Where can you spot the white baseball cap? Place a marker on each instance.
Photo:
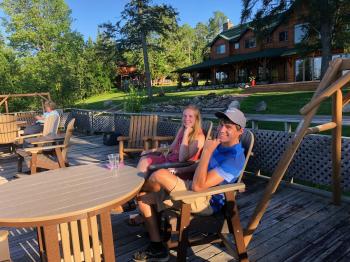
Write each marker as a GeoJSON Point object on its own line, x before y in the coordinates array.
{"type": "Point", "coordinates": [233, 114]}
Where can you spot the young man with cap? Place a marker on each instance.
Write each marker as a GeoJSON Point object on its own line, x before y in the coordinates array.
{"type": "Point", "coordinates": [221, 163]}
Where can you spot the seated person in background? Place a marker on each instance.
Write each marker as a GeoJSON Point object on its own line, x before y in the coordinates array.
{"type": "Point", "coordinates": [187, 145]}
{"type": "Point", "coordinates": [50, 109]}
{"type": "Point", "coordinates": [221, 163]}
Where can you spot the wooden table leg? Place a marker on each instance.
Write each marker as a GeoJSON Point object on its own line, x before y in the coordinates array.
{"type": "Point", "coordinates": [41, 243]}
{"type": "Point", "coordinates": [107, 237]}
{"type": "Point", "coordinates": [51, 243]}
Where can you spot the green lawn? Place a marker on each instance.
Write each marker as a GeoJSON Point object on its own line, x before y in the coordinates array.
{"type": "Point", "coordinates": [96, 102]}
{"type": "Point", "coordinates": [277, 103]}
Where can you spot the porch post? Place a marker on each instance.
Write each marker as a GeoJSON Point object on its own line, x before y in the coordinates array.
{"type": "Point", "coordinates": [179, 83]}
{"type": "Point", "coordinates": [213, 75]}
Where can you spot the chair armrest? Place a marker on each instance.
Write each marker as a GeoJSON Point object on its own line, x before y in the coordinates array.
{"type": "Point", "coordinates": [155, 167]}
{"type": "Point", "coordinates": [45, 139]}
{"type": "Point", "coordinates": [37, 149]}
{"type": "Point", "coordinates": [185, 195]}
{"type": "Point", "coordinates": [29, 136]}
{"type": "Point", "coordinates": [163, 138]}
{"type": "Point", "coordinates": [123, 138]}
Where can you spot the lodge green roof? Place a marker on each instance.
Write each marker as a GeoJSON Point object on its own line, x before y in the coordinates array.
{"type": "Point", "coordinates": [272, 52]}
{"type": "Point", "coordinates": [234, 34]}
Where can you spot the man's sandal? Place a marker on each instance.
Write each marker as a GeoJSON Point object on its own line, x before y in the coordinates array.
{"type": "Point", "coordinates": [135, 220]}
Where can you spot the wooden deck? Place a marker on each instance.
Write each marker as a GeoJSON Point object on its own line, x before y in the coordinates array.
{"type": "Point", "coordinates": [298, 226]}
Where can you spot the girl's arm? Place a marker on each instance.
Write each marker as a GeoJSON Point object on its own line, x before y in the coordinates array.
{"type": "Point", "coordinates": [187, 150]}
{"type": "Point", "coordinates": [173, 144]}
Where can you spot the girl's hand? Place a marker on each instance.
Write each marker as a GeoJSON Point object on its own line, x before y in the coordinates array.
{"type": "Point", "coordinates": [188, 131]}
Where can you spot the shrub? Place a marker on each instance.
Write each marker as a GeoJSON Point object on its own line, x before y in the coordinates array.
{"type": "Point", "coordinates": [134, 99]}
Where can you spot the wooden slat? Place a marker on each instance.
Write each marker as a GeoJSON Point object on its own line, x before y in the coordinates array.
{"type": "Point", "coordinates": [65, 239]}
{"type": "Point", "coordinates": [75, 241]}
{"type": "Point", "coordinates": [336, 146]}
{"type": "Point", "coordinates": [95, 239]}
{"type": "Point", "coordinates": [86, 242]}
{"type": "Point", "coordinates": [51, 243]}
{"type": "Point", "coordinates": [107, 238]}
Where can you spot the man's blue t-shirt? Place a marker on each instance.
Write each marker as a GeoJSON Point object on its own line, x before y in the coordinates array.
{"type": "Point", "coordinates": [228, 163]}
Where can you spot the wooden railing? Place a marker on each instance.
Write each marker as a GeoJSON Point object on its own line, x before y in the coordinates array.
{"type": "Point", "coordinates": [5, 98]}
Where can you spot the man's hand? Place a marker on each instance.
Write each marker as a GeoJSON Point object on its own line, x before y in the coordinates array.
{"type": "Point", "coordinates": [211, 145]}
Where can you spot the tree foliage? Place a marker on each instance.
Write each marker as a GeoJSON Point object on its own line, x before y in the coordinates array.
{"type": "Point", "coordinates": [139, 21]}
{"type": "Point", "coordinates": [43, 54]}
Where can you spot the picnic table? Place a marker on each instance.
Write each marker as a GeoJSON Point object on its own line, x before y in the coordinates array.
{"type": "Point", "coordinates": [71, 204]}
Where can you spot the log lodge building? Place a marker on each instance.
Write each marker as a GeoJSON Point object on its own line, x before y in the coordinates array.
{"type": "Point", "coordinates": [235, 55]}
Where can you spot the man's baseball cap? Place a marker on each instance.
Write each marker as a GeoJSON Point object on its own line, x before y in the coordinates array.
{"type": "Point", "coordinates": [233, 114]}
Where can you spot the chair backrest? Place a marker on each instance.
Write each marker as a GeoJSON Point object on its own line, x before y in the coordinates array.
{"type": "Point", "coordinates": [141, 126]}
{"type": "Point", "coordinates": [8, 129]}
{"type": "Point", "coordinates": [29, 117]}
{"type": "Point", "coordinates": [51, 124]}
{"type": "Point", "coordinates": [247, 141]}
{"type": "Point", "coordinates": [67, 137]}
{"type": "Point", "coordinates": [207, 127]}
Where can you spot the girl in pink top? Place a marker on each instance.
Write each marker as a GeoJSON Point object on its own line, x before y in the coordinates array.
{"type": "Point", "coordinates": [187, 145]}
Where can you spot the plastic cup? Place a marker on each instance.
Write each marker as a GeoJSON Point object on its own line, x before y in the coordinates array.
{"type": "Point", "coordinates": [113, 160]}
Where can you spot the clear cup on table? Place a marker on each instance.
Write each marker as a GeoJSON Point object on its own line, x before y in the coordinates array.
{"type": "Point", "coordinates": [113, 163]}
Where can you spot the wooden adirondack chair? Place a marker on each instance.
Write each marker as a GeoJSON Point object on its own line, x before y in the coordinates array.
{"type": "Point", "coordinates": [51, 124]}
{"type": "Point", "coordinates": [217, 225]}
{"type": "Point", "coordinates": [141, 127]}
{"type": "Point", "coordinates": [47, 157]}
{"type": "Point", "coordinates": [8, 130]}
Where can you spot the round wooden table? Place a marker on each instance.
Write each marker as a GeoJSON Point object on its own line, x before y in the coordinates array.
{"type": "Point", "coordinates": [73, 202]}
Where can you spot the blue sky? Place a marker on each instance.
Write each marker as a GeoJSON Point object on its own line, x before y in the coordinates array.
{"type": "Point", "coordinates": [88, 14]}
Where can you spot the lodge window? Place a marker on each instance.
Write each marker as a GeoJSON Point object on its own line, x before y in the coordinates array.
{"type": "Point", "coordinates": [283, 36]}
{"type": "Point", "coordinates": [221, 76]}
{"type": "Point", "coordinates": [308, 69]}
{"type": "Point", "coordinates": [236, 45]}
{"type": "Point", "coordinates": [250, 43]}
{"type": "Point", "coordinates": [300, 32]}
{"type": "Point", "coordinates": [221, 49]}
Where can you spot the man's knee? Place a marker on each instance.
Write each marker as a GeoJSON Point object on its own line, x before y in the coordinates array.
{"type": "Point", "coordinates": [157, 176]}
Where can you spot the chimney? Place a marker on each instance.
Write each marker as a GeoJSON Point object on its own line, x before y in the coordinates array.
{"type": "Point", "coordinates": [227, 25]}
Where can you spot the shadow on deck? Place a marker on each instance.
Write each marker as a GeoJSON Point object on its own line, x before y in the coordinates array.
{"type": "Point", "coordinates": [298, 225]}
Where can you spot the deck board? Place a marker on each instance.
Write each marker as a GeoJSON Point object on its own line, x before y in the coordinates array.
{"type": "Point", "coordinates": [298, 225]}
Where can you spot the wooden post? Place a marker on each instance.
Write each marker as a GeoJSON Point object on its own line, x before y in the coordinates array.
{"type": "Point", "coordinates": [288, 154]}
{"type": "Point", "coordinates": [6, 106]}
{"type": "Point", "coordinates": [337, 105]}
{"type": "Point", "coordinates": [255, 125]}
{"type": "Point", "coordinates": [287, 127]}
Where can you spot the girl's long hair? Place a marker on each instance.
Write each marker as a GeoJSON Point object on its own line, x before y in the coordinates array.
{"type": "Point", "coordinates": [197, 128]}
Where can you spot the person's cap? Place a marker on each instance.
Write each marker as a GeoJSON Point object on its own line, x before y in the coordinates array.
{"type": "Point", "coordinates": [233, 114]}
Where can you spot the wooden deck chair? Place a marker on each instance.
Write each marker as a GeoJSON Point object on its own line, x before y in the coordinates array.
{"type": "Point", "coordinates": [51, 124]}
{"type": "Point", "coordinates": [218, 225]}
{"type": "Point", "coordinates": [207, 129]}
{"type": "Point", "coordinates": [140, 127]}
{"type": "Point", "coordinates": [4, 246]}
{"type": "Point", "coordinates": [8, 130]}
{"type": "Point", "coordinates": [47, 157]}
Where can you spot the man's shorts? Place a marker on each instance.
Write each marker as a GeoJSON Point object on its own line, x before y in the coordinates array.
{"type": "Point", "coordinates": [200, 205]}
